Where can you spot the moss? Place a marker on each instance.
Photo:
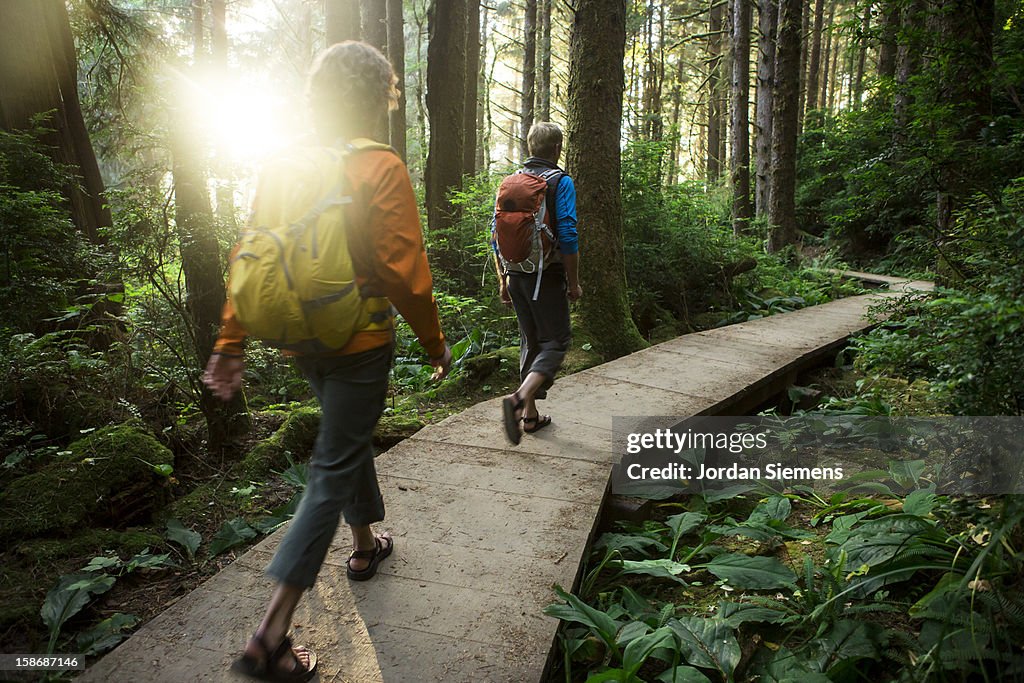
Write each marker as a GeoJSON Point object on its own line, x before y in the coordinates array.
{"type": "Point", "coordinates": [49, 551]}
{"type": "Point", "coordinates": [296, 436]}
{"type": "Point", "coordinates": [106, 477]}
{"type": "Point", "coordinates": [395, 427]}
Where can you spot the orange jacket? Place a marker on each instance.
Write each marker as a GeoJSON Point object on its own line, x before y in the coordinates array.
{"type": "Point", "coordinates": [386, 243]}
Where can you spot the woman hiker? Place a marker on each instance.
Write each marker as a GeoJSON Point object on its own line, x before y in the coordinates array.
{"type": "Point", "coordinates": [351, 88]}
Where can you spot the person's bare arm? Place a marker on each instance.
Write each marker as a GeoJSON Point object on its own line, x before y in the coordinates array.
{"type": "Point", "coordinates": [506, 298]}
{"type": "Point", "coordinates": [572, 274]}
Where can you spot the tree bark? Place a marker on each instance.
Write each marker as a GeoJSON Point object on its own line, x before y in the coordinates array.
{"type": "Point", "coordinates": [472, 87]}
{"type": "Point", "coordinates": [741, 16]}
{"type": "Point", "coordinates": [596, 79]}
{"type": "Point", "coordinates": [862, 58]}
{"type": "Point", "coordinates": [908, 62]}
{"type": "Point", "coordinates": [822, 96]}
{"type": "Point", "coordinates": [39, 73]}
{"type": "Point", "coordinates": [890, 23]}
{"type": "Point", "coordinates": [781, 195]}
{"type": "Point", "coordinates": [805, 44]}
{"type": "Point", "coordinates": [396, 55]}
{"type": "Point", "coordinates": [341, 18]}
{"type": "Point", "coordinates": [814, 68]}
{"type": "Point", "coordinates": [483, 112]}
{"type": "Point", "coordinates": [446, 99]}
{"type": "Point", "coordinates": [715, 118]}
{"type": "Point", "coordinates": [529, 75]}
{"type": "Point", "coordinates": [766, 42]}
{"type": "Point", "coordinates": [373, 18]}
{"type": "Point", "coordinates": [544, 72]}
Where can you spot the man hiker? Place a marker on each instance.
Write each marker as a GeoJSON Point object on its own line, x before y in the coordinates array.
{"type": "Point", "coordinates": [351, 88]}
{"type": "Point", "coordinates": [540, 277]}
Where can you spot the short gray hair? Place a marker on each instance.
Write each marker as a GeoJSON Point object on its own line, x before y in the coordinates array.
{"type": "Point", "coordinates": [543, 139]}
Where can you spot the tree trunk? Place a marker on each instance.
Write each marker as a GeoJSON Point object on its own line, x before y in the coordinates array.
{"type": "Point", "coordinates": [529, 75]}
{"type": "Point", "coordinates": [715, 118]}
{"type": "Point", "coordinates": [472, 87]}
{"type": "Point", "coordinates": [805, 44]}
{"type": "Point", "coordinates": [781, 195]}
{"type": "Point", "coordinates": [766, 42]}
{"type": "Point", "coordinates": [741, 16]}
{"type": "Point", "coordinates": [672, 173]}
{"type": "Point", "coordinates": [822, 96]}
{"type": "Point", "coordinates": [544, 72]}
{"type": "Point", "coordinates": [596, 79]}
{"type": "Point", "coordinates": [341, 18]}
{"type": "Point", "coordinates": [908, 62]}
{"type": "Point", "coordinates": [862, 58]}
{"type": "Point", "coordinates": [653, 126]}
{"type": "Point", "coordinates": [890, 23]}
{"type": "Point", "coordinates": [483, 110]}
{"type": "Point", "coordinates": [446, 99]}
{"type": "Point", "coordinates": [373, 18]}
{"type": "Point", "coordinates": [396, 55]}
{"type": "Point", "coordinates": [814, 68]}
{"type": "Point", "coordinates": [39, 73]}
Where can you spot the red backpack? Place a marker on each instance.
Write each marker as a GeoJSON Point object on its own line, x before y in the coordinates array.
{"type": "Point", "coordinates": [523, 228]}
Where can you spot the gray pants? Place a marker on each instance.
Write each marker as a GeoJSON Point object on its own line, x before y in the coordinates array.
{"type": "Point", "coordinates": [544, 329]}
{"type": "Point", "coordinates": [342, 479]}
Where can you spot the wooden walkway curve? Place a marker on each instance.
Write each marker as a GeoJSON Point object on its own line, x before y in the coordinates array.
{"type": "Point", "coordinates": [483, 529]}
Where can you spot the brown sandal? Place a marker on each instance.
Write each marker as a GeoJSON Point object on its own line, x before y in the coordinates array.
{"type": "Point", "coordinates": [384, 544]}
{"type": "Point", "coordinates": [270, 669]}
{"type": "Point", "coordinates": [539, 423]}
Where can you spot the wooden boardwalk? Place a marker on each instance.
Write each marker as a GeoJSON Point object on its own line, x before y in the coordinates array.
{"type": "Point", "coordinates": [482, 529]}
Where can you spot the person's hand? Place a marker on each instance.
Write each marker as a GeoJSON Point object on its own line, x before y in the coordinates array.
{"type": "Point", "coordinates": [442, 365]}
{"type": "Point", "coordinates": [223, 375]}
{"type": "Point", "coordinates": [574, 293]}
{"type": "Point", "coordinates": [506, 298]}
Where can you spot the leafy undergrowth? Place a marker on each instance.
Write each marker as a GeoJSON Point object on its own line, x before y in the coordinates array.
{"type": "Point", "coordinates": [906, 586]}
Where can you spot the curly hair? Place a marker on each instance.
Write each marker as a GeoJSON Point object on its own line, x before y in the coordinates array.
{"type": "Point", "coordinates": [351, 82]}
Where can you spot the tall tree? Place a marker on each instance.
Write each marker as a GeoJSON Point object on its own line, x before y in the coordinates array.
{"type": "Point", "coordinates": [822, 95]}
{"type": "Point", "coordinates": [768, 16]}
{"type": "Point", "coordinates": [782, 190]}
{"type": "Point", "coordinates": [654, 72]}
{"type": "Point", "coordinates": [396, 55]}
{"type": "Point", "coordinates": [596, 79]}
{"type": "Point", "coordinates": [908, 61]}
{"type": "Point", "coordinates": [446, 100]}
{"type": "Point", "coordinates": [529, 74]}
{"type": "Point", "coordinates": [741, 17]}
{"type": "Point", "coordinates": [201, 258]}
{"type": "Point", "coordinates": [483, 109]}
{"type": "Point", "coordinates": [889, 24]}
{"type": "Point", "coordinates": [342, 21]}
{"type": "Point", "coordinates": [373, 18]}
{"type": "Point", "coordinates": [544, 68]}
{"type": "Point", "coordinates": [39, 73]}
{"type": "Point", "coordinates": [715, 117]}
{"type": "Point", "coordinates": [862, 57]}
{"type": "Point", "coordinates": [469, 113]}
{"type": "Point", "coordinates": [814, 67]}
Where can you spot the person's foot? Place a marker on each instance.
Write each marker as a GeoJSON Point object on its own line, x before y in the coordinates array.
{"type": "Point", "coordinates": [362, 563]}
{"type": "Point", "coordinates": [284, 662]}
{"type": "Point", "coordinates": [535, 423]}
{"type": "Point", "coordinates": [512, 409]}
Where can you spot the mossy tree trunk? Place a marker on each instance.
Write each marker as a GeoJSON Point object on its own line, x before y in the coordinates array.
{"type": "Point", "coordinates": [596, 74]}
{"type": "Point", "coordinates": [768, 11]}
{"type": "Point", "coordinates": [396, 55]}
{"type": "Point", "coordinates": [341, 18]}
{"type": "Point", "coordinates": [785, 115]}
{"type": "Point", "coordinates": [740, 116]}
{"type": "Point", "coordinates": [528, 92]}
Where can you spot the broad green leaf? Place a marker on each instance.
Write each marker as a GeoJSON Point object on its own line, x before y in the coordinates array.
{"type": "Point", "coordinates": [662, 569]}
{"type": "Point", "coordinates": [186, 538]}
{"type": "Point", "coordinates": [581, 613]}
{"type": "Point", "coordinates": [880, 540]}
{"type": "Point", "coordinates": [737, 613]}
{"type": "Point", "coordinates": [684, 523]}
{"type": "Point", "coordinates": [233, 533]}
{"type": "Point", "coordinates": [920, 502]}
{"type": "Point", "coordinates": [787, 667]}
{"type": "Point", "coordinates": [639, 649]}
{"type": "Point", "coordinates": [633, 542]}
{"type": "Point", "coordinates": [947, 584]}
{"type": "Point", "coordinates": [100, 563]}
{"type": "Point", "coordinates": [631, 631]}
{"type": "Point", "coordinates": [755, 573]}
{"type": "Point", "coordinates": [105, 634]}
{"type": "Point", "coordinates": [146, 560]}
{"type": "Point", "coordinates": [683, 674]}
{"type": "Point", "coordinates": [847, 641]}
{"type": "Point", "coordinates": [68, 597]}
{"type": "Point", "coordinates": [707, 643]}
{"type": "Point", "coordinates": [776, 507]}
{"type": "Point", "coordinates": [907, 473]}
{"type": "Point", "coordinates": [727, 492]}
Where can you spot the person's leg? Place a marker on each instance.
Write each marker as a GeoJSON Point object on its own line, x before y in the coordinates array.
{"type": "Point", "coordinates": [341, 477]}
{"type": "Point", "coordinates": [550, 313]}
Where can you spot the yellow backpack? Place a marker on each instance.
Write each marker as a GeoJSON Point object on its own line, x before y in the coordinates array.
{"type": "Point", "coordinates": [292, 282]}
